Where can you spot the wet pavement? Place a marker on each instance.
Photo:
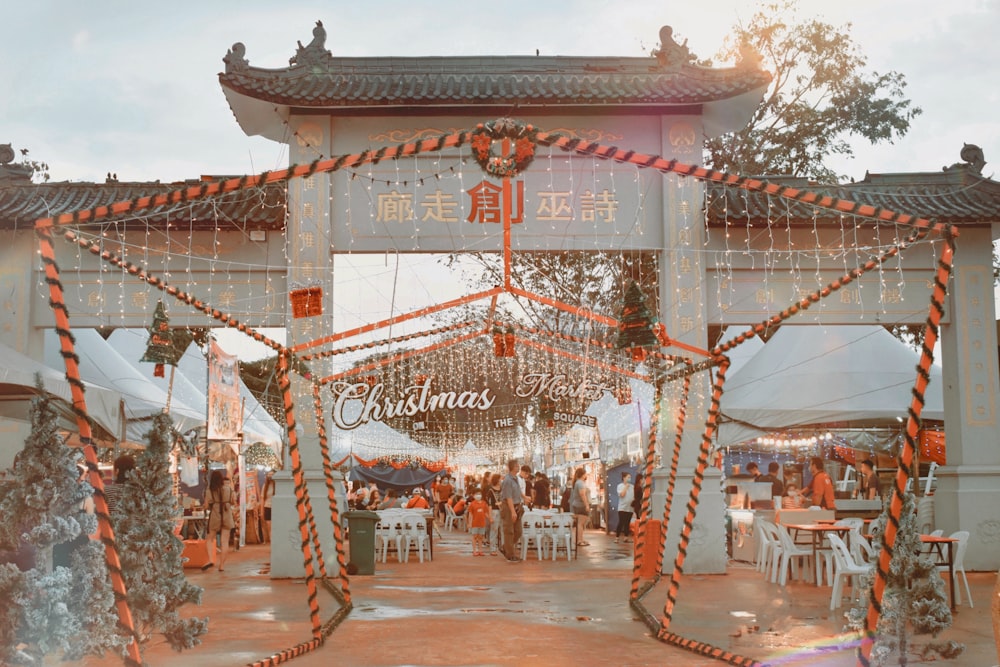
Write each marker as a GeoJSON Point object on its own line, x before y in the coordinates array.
{"type": "Point", "coordinates": [480, 611]}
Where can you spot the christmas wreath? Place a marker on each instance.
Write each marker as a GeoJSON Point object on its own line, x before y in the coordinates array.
{"type": "Point", "coordinates": [524, 137]}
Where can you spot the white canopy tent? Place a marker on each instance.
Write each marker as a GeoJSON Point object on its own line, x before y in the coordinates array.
{"type": "Point", "coordinates": [190, 385]}
{"type": "Point", "coordinates": [101, 364]}
{"type": "Point", "coordinates": [852, 375]}
{"type": "Point", "coordinates": [17, 388]}
{"type": "Point", "coordinates": [374, 439]}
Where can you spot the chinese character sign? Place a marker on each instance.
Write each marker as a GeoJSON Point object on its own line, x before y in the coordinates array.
{"type": "Point", "coordinates": [224, 415]}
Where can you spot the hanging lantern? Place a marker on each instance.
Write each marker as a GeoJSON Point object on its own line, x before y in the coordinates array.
{"type": "Point", "coordinates": [499, 342]}
{"type": "Point", "coordinates": [508, 340]}
{"type": "Point", "coordinates": [306, 301]}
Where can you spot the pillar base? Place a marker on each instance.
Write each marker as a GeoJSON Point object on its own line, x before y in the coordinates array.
{"type": "Point", "coordinates": [706, 553]}
{"type": "Point", "coordinates": [286, 538]}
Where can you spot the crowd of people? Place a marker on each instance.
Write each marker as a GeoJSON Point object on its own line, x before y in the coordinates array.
{"type": "Point", "coordinates": [819, 491]}
{"type": "Point", "coordinates": [491, 504]}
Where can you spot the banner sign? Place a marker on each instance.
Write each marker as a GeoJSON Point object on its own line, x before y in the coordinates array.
{"type": "Point", "coordinates": [358, 403]}
{"type": "Point", "coordinates": [571, 418]}
{"type": "Point", "coordinates": [224, 413]}
{"type": "Point", "coordinates": [416, 400]}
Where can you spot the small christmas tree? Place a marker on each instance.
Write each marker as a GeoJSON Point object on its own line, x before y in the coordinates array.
{"type": "Point", "coordinates": [913, 601]}
{"type": "Point", "coordinates": [160, 348]}
{"type": "Point", "coordinates": [49, 609]}
{"type": "Point", "coordinates": [635, 326]}
{"type": "Point", "coordinates": [150, 552]}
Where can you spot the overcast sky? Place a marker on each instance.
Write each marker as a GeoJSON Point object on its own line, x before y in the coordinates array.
{"type": "Point", "coordinates": [131, 87]}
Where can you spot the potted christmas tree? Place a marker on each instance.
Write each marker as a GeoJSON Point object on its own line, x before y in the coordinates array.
{"type": "Point", "coordinates": [913, 601]}
{"type": "Point", "coordinates": [65, 608]}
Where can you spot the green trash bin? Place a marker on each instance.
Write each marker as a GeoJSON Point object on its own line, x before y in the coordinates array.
{"type": "Point", "coordinates": [361, 530]}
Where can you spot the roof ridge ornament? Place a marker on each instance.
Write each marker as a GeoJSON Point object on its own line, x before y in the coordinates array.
{"type": "Point", "coordinates": [973, 157]}
{"type": "Point", "coordinates": [235, 58]}
{"type": "Point", "coordinates": [672, 55]}
{"type": "Point", "coordinates": [313, 53]}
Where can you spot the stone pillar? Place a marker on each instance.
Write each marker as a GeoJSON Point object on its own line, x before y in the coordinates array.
{"type": "Point", "coordinates": [309, 265]}
{"type": "Point", "coordinates": [683, 311]}
{"type": "Point", "coordinates": [968, 487]}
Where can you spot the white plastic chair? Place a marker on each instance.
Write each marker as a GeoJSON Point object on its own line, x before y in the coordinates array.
{"type": "Point", "coordinates": [533, 533]}
{"type": "Point", "coordinates": [389, 531]}
{"type": "Point", "coordinates": [561, 535]}
{"type": "Point", "coordinates": [793, 557]}
{"type": "Point", "coordinates": [963, 544]}
{"type": "Point", "coordinates": [415, 535]}
{"type": "Point", "coordinates": [770, 529]}
{"type": "Point", "coordinates": [767, 540]}
{"type": "Point", "coordinates": [844, 568]}
{"type": "Point", "coordinates": [452, 520]}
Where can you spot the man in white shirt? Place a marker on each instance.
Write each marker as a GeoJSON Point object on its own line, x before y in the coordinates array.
{"type": "Point", "coordinates": [626, 494]}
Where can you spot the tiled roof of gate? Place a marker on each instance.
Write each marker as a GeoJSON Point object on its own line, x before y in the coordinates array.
{"type": "Point", "coordinates": [22, 203]}
{"type": "Point", "coordinates": [524, 80]}
{"type": "Point", "coordinates": [957, 194]}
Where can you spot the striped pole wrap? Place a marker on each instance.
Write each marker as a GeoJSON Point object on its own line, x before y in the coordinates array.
{"type": "Point", "coordinates": [57, 303]}
{"type": "Point", "coordinates": [288, 653]}
{"type": "Point", "coordinates": [641, 534]}
{"type": "Point", "coordinates": [904, 471]}
{"type": "Point", "coordinates": [184, 297]}
{"type": "Point", "coordinates": [709, 651]}
{"type": "Point", "coordinates": [301, 493]}
{"type": "Point", "coordinates": [331, 492]}
{"type": "Point", "coordinates": [692, 506]}
{"type": "Point", "coordinates": [675, 461]}
{"type": "Point", "coordinates": [584, 147]}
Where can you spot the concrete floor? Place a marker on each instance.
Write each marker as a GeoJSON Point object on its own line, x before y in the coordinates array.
{"type": "Point", "coordinates": [464, 610]}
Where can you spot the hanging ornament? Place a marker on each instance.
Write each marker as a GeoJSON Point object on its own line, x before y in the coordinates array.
{"type": "Point", "coordinates": [499, 342]}
{"type": "Point", "coordinates": [160, 348]}
{"type": "Point", "coordinates": [624, 394]}
{"type": "Point", "coordinates": [306, 301]}
{"type": "Point", "coordinates": [635, 325]}
{"type": "Point", "coordinates": [508, 340]}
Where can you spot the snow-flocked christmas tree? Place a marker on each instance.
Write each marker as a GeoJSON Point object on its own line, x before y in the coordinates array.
{"type": "Point", "coordinates": [913, 601]}
{"type": "Point", "coordinates": [150, 552]}
{"type": "Point", "coordinates": [67, 609]}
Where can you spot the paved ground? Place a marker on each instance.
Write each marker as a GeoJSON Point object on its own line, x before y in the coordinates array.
{"type": "Point", "coordinates": [464, 610]}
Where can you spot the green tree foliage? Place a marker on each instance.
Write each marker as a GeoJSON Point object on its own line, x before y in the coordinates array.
{"type": "Point", "coordinates": [48, 610]}
{"type": "Point", "coordinates": [913, 601]}
{"type": "Point", "coordinates": [150, 552]}
{"type": "Point", "coordinates": [821, 96]}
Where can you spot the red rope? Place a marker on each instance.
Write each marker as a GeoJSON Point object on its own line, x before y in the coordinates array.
{"type": "Point", "coordinates": [641, 533]}
{"type": "Point", "coordinates": [674, 464]}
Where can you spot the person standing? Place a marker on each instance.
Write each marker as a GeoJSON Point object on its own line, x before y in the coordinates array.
{"type": "Point", "coordinates": [579, 504]}
{"type": "Point", "coordinates": [753, 470]}
{"type": "Point", "coordinates": [626, 494]}
{"type": "Point", "coordinates": [527, 489]}
{"type": "Point", "coordinates": [219, 500]}
{"type": "Point", "coordinates": [777, 486]}
{"type": "Point", "coordinates": [820, 491]}
{"type": "Point", "coordinates": [869, 486]}
{"type": "Point", "coordinates": [541, 493]}
{"type": "Point", "coordinates": [495, 530]}
{"type": "Point", "coordinates": [444, 491]}
{"type": "Point", "coordinates": [478, 518]}
{"type": "Point", "coordinates": [511, 506]}
{"type": "Point", "coordinates": [268, 500]}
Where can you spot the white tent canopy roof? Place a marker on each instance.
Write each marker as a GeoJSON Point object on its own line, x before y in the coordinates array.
{"type": "Point", "coordinates": [17, 385]}
{"type": "Point", "coordinates": [102, 365]}
{"type": "Point", "coordinates": [822, 374]}
{"type": "Point", "coordinates": [191, 385]}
